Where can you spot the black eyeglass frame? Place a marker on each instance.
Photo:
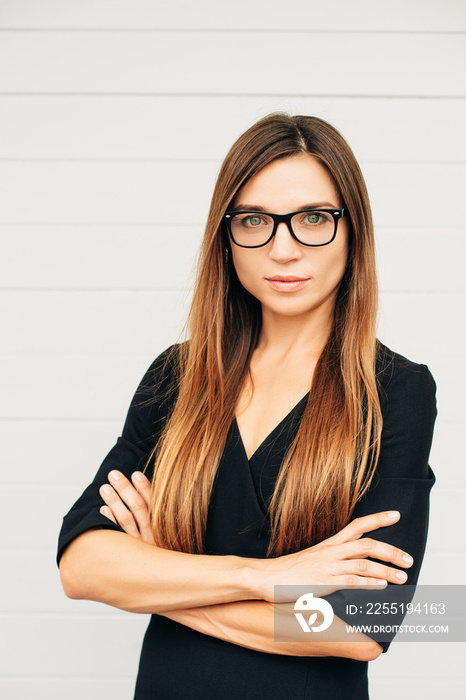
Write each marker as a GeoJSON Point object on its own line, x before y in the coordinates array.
{"type": "Point", "coordinates": [285, 218]}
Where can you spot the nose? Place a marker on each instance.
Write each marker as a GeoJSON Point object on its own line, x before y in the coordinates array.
{"type": "Point", "coordinates": [283, 245]}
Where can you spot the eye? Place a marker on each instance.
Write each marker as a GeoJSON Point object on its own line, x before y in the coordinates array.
{"type": "Point", "coordinates": [314, 217]}
{"type": "Point", "coordinates": [252, 220]}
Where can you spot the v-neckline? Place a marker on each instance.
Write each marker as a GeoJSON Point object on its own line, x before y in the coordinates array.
{"type": "Point", "coordinates": [267, 438]}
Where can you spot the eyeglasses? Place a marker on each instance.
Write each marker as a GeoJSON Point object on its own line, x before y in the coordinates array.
{"type": "Point", "coordinates": [312, 227]}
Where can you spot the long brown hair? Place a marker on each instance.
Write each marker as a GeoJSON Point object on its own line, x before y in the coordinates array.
{"type": "Point", "coordinates": [332, 459]}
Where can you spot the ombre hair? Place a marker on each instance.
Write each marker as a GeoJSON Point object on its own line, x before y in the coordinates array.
{"type": "Point", "coordinates": [330, 463]}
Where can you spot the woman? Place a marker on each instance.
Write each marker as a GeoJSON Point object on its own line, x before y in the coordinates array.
{"type": "Point", "coordinates": [275, 438]}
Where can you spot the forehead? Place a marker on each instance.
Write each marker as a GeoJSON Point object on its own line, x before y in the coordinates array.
{"type": "Point", "coordinates": [288, 184]}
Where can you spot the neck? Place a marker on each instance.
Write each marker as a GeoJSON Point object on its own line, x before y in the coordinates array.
{"type": "Point", "coordinates": [294, 336]}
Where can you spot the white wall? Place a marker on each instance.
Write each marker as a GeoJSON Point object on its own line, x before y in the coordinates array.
{"type": "Point", "coordinates": [114, 117]}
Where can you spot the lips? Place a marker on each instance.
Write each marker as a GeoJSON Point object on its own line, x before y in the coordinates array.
{"type": "Point", "coordinates": [289, 278]}
{"type": "Point", "coordinates": [289, 283]}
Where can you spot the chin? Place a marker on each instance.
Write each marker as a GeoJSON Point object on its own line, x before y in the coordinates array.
{"type": "Point", "coordinates": [290, 309]}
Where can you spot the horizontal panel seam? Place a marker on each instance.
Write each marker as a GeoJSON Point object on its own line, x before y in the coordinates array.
{"type": "Point", "coordinates": [86, 677]}
{"type": "Point", "coordinates": [228, 30]}
{"type": "Point", "coordinates": [206, 160]}
{"type": "Point", "coordinates": [152, 290]}
{"type": "Point", "coordinates": [221, 95]}
{"type": "Point", "coordinates": [198, 225]}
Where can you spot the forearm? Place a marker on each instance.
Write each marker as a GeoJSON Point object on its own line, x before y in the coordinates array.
{"type": "Point", "coordinates": [251, 624]}
{"type": "Point", "coordinates": [120, 570]}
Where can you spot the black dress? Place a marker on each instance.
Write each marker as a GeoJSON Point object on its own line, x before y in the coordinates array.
{"type": "Point", "coordinates": [178, 663]}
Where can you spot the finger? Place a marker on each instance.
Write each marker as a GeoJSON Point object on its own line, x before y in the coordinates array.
{"type": "Point", "coordinates": [358, 527]}
{"type": "Point", "coordinates": [121, 514]}
{"type": "Point", "coordinates": [134, 502]}
{"type": "Point", "coordinates": [370, 569]}
{"type": "Point", "coordinates": [367, 547]}
{"type": "Point", "coordinates": [142, 485]}
{"type": "Point", "coordinates": [353, 581]}
{"type": "Point", "coordinates": [105, 510]}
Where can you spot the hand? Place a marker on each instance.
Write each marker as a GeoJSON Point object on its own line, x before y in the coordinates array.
{"type": "Point", "coordinates": [338, 562]}
{"type": "Point", "coordinates": [128, 504]}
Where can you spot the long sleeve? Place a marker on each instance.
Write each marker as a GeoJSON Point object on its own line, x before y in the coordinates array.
{"type": "Point", "coordinates": [402, 482]}
{"type": "Point", "coordinates": [144, 421]}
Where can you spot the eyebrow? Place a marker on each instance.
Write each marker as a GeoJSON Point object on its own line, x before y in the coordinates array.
{"type": "Point", "coordinates": [304, 207]}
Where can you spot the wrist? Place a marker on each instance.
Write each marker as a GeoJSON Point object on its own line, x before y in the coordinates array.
{"type": "Point", "coordinates": [255, 575]}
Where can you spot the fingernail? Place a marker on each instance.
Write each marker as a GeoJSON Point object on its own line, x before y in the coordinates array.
{"type": "Point", "coordinates": [107, 489]}
{"type": "Point", "coordinates": [138, 476]}
{"type": "Point", "coordinates": [401, 575]}
{"type": "Point", "coordinates": [393, 514]}
{"type": "Point", "coordinates": [407, 559]}
{"type": "Point", "coordinates": [114, 475]}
